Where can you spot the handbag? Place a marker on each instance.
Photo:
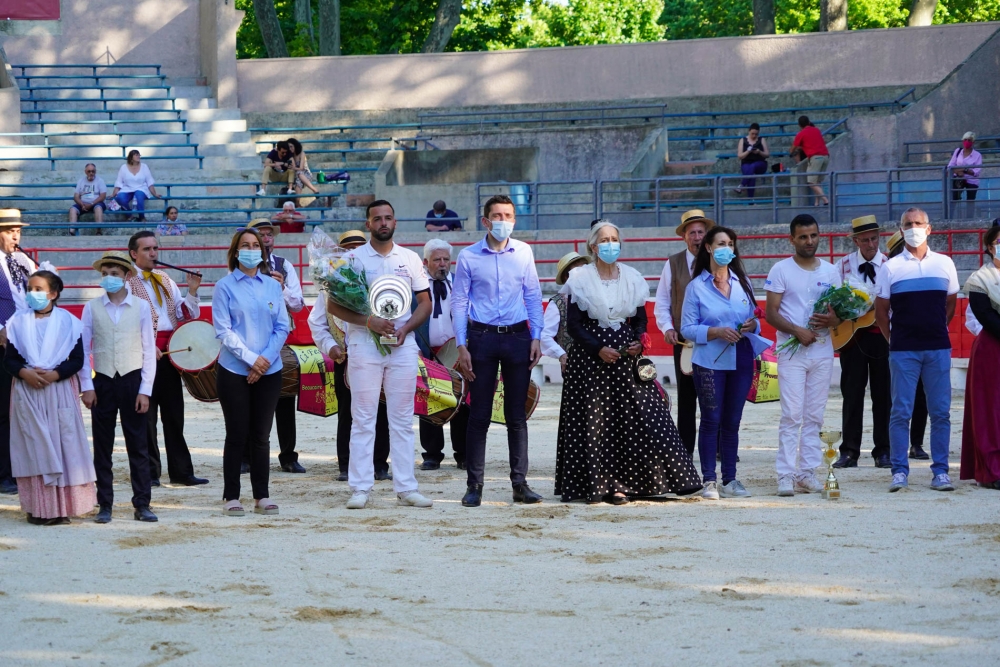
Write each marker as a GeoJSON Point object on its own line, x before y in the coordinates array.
{"type": "Point", "coordinates": [764, 387]}
{"type": "Point", "coordinates": [645, 369]}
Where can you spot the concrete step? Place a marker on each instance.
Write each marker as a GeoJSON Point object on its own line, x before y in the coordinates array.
{"type": "Point", "coordinates": [191, 92]}
{"type": "Point", "coordinates": [240, 150]}
{"type": "Point", "coordinates": [250, 164]}
{"type": "Point", "coordinates": [217, 126]}
{"type": "Point", "coordinates": [222, 138]}
{"type": "Point", "coordinates": [96, 93]}
{"type": "Point", "coordinates": [211, 114]}
{"type": "Point", "coordinates": [130, 140]}
{"type": "Point", "coordinates": [195, 103]}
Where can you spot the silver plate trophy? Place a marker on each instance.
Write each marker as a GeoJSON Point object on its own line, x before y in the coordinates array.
{"type": "Point", "coordinates": [389, 297]}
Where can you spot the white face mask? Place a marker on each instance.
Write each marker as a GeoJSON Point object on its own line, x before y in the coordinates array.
{"type": "Point", "coordinates": [915, 236]}
{"type": "Point", "coordinates": [501, 230]}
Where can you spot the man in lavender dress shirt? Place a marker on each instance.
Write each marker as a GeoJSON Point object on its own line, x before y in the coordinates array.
{"type": "Point", "coordinates": [496, 309]}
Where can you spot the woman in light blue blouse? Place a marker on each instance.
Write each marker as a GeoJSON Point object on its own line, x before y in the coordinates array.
{"type": "Point", "coordinates": [252, 323]}
{"type": "Point", "coordinates": [720, 316]}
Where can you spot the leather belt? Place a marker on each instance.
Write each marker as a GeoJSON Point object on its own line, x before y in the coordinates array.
{"type": "Point", "coordinates": [499, 329]}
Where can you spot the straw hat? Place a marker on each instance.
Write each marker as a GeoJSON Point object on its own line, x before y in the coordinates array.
{"type": "Point", "coordinates": [694, 215]}
{"type": "Point", "coordinates": [11, 217]}
{"type": "Point", "coordinates": [118, 258]}
{"type": "Point", "coordinates": [351, 237]}
{"type": "Point", "coordinates": [566, 263]}
{"type": "Point", "coordinates": [866, 223]}
{"type": "Point", "coordinates": [264, 222]}
{"type": "Point", "coordinates": [894, 241]}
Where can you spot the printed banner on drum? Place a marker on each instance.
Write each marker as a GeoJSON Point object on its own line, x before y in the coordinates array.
{"type": "Point", "coordinates": [434, 390]}
{"type": "Point", "coordinates": [316, 392]}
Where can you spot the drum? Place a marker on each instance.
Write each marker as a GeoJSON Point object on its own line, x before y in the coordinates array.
{"type": "Point", "coordinates": [289, 372]}
{"type": "Point", "coordinates": [530, 403]}
{"type": "Point", "coordinates": [447, 354]}
{"type": "Point", "coordinates": [197, 365]}
{"type": "Point", "coordinates": [687, 354]}
{"type": "Point", "coordinates": [439, 395]}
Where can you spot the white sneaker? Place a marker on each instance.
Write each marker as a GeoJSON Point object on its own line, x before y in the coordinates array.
{"type": "Point", "coordinates": [808, 484]}
{"type": "Point", "coordinates": [413, 499]}
{"type": "Point", "coordinates": [358, 500]}
{"type": "Point", "coordinates": [261, 192]}
{"type": "Point", "coordinates": [786, 486]}
{"type": "Point", "coordinates": [734, 489]}
{"type": "Point", "coordinates": [711, 491]}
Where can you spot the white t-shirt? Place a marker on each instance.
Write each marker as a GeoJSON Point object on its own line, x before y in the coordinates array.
{"type": "Point", "coordinates": [90, 190]}
{"type": "Point", "coordinates": [129, 182]}
{"type": "Point", "coordinates": [800, 289]}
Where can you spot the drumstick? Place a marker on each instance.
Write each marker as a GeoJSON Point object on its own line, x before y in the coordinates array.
{"type": "Point", "coordinates": [171, 266]}
{"type": "Point", "coordinates": [180, 349]}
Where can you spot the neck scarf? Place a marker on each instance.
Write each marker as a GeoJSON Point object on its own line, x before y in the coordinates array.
{"type": "Point", "coordinates": [867, 269]}
{"type": "Point", "coordinates": [157, 284]}
{"type": "Point", "coordinates": [986, 281]}
{"type": "Point", "coordinates": [61, 333]}
{"type": "Point", "coordinates": [440, 290]}
{"type": "Point", "coordinates": [609, 306]}
{"type": "Point", "coordinates": [18, 276]}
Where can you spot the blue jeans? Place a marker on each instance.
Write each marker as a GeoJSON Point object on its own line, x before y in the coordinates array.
{"type": "Point", "coordinates": [722, 395]}
{"type": "Point", "coordinates": [511, 354]}
{"type": "Point", "coordinates": [124, 199]}
{"type": "Point", "coordinates": [934, 368]}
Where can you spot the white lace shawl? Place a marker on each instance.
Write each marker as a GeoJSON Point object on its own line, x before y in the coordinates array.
{"type": "Point", "coordinates": [61, 333]}
{"type": "Point", "coordinates": [610, 307]}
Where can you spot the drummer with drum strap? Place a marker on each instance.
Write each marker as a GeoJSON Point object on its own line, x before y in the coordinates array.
{"type": "Point", "coordinates": [432, 336]}
{"type": "Point", "coordinates": [118, 331]}
{"type": "Point", "coordinates": [167, 401]}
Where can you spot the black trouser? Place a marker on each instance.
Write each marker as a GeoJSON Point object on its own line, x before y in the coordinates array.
{"type": "Point", "coordinates": [960, 184]}
{"type": "Point", "coordinates": [511, 354]}
{"type": "Point", "coordinates": [432, 437]}
{"type": "Point", "coordinates": [687, 402]}
{"type": "Point", "coordinates": [865, 363]}
{"type": "Point", "coordinates": [167, 402]}
{"type": "Point", "coordinates": [284, 420]}
{"type": "Point", "coordinates": [116, 396]}
{"type": "Point", "coordinates": [918, 420]}
{"type": "Point", "coordinates": [5, 384]}
{"type": "Point", "coordinates": [248, 410]}
{"type": "Point", "coordinates": [344, 422]}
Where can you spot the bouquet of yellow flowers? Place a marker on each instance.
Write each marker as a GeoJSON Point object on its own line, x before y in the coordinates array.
{"type": "Point", "coordinates": [849, 301]}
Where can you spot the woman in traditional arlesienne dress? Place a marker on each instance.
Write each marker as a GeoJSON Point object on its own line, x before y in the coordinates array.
{"type": "Point", "coordinates": [49, 451]}
{"type": "Point", "coordinates": [616, 437]}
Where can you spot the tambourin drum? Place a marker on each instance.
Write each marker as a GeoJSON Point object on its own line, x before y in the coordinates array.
{"type": "Point", "coordinates": [687, 357]}
{"type": "Point", "coordinates": [530, 403]}
{"type": "Point", "coordinates": [197, 366]}
{"type": "Point", "coordinates": [447, 354]}
{"type": "Point", "coordinates": [289, 372]}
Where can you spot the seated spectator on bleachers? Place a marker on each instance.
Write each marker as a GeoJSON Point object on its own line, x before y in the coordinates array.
{"type": "Point", "coordinates": [170, 226]}
{"type": "Point", "coordinates": [134, 180]}
{"type": "Point", "coordinates": [88, 197]}
{"type": "Point", "coordinates": [810, 139]}
{"type": "Point", "coordinates": [442, 219]}
{"type": "Point", "coordinates": [752, 153]}
{"type": "Point", "coordinates": [277, 168]}
{"type": "Point", "coordinates": [289, 220]}
{"type": "Point", "coordinates": [965, 163]}
{"type": "Point", "coordinates": [303, 176]}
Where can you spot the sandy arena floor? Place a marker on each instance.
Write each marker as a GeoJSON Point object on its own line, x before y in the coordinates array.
{"type": "Point", "coordinates": [876, 579]}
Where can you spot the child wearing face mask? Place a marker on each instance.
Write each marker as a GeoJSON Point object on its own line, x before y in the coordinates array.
{"type": "Point", "coordinates": [50, 456]}
{"type": "Point", "coordinates": [118, 332]}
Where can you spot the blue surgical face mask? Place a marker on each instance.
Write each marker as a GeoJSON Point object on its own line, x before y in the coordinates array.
{"type": "Point", "coordinates": [501, 229]}
{"type": "Point", "coordinates": [37, 300]}
{"type": "Point", "coordinates": [723, 255]}
{"type": "Point", "coordinates": [609, 251]}
{"type": "Point", "coordinates": [112, 284]}
{"type": "Point", "coordinates": [249, 258]}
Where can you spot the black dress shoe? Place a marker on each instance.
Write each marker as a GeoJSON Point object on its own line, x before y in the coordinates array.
{"type": "Point", "coordinates": [616, 500]}
{"type": "Point", "coordinates": [473, 496]}
{"type": "Point", "coordinates": [8, 487]}
{"type": "Point", "coordinates": [189, 481]}
{"type": "Point", "coordinates": [382, 474]}
{"type": "Point", "coordinates": [524, 494]}
{"type": "Point", "coordinates": [104, 516]}
{"type": "Point", "coordinates": [155, 481]}
{"type": "Point", "coordinates": [35, 521]}
{"type": "Point", "coordinates": [919, 453]}
{"type": "Point", "coordinates": [143, 514]}
{"type": "Point", "coordinates": [294, 466]}
{"type": "Point", "coordinates": [342, 477]}
{"type": "Point", "coordinates": [244, 468]}
{"type": "Point", "coordinates": [846, 461]}
{"type": "Point", "coordinates": [883, 461]}
{"type": "Point", "coordinates": [58, 521]}
{"type": "Point", "coordinates": [430, 465]}
{"type": "Point", "coordinates": [460, 465]}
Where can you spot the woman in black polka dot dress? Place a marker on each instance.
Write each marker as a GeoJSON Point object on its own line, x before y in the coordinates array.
{"type": "Point", "coordinates": [616, 436]}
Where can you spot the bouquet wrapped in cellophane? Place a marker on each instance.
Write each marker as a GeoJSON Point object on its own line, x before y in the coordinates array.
{"type": "Point", "coordinates": [344, 282]}
{"type": "Point", "coordinates": [849, 300]}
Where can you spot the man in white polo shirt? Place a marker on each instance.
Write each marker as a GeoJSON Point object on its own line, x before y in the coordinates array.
{"type": "Point", "coordinates": [793, 286]}
{"type": "Point", "coordinates": [917, 291]}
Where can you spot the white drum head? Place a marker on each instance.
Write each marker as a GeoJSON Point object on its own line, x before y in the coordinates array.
{"type": "Point", "coordinates": [200, 337]}
{"type": "Point", "coordinates": [687, 354]}
{"type": "Point", "coordinates": [447, 354]}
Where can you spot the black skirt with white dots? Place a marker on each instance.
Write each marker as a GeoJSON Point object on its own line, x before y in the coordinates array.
{"type": "Point", "coordinates": [615, 432]}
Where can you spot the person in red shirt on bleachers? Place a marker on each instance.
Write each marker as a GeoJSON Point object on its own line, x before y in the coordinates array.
{"type": "Point", "coordinates": [289, 220]}
{"type": "Point", "coordinates": [810, 139]}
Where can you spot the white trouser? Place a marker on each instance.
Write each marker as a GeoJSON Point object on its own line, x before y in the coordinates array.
{"type": "Point", "coordinates": [368, 372]}
{"type": "Point", "coordinates": [805, 386]}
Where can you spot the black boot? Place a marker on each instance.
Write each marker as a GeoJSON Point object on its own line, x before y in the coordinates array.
{"type": "Point", "coordinates": [473, 496]}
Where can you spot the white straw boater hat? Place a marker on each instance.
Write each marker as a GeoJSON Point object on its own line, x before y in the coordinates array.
{"type": "Point", "coordinates": [11, 217]}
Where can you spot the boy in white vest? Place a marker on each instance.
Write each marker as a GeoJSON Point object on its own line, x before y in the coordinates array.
{"type": "Point", "coordinates": [118, 332]}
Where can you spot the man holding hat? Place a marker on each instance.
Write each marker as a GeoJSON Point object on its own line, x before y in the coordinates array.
{"type": "Point", "coordinates": [15, 267]}
{"type": "Point", "coordinates": [555, 341]}
{"type": "Point", "coordinates": [669, 303]}
{"type": "Point", "coordinates": [291, 290]}
{"type": "Point", "coordinates": [330, 337]}
{"type": "Point", "coordinates": [864, 361]}
{"type": "Point", "coordinates": [118, 332]}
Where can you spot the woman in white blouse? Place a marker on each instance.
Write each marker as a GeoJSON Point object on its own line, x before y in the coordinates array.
{"type": "Point", "coordinates": [134, 180]}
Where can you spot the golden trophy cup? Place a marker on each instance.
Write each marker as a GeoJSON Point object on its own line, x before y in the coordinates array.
{"type": "Point", "coordinates": [831, 489]}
